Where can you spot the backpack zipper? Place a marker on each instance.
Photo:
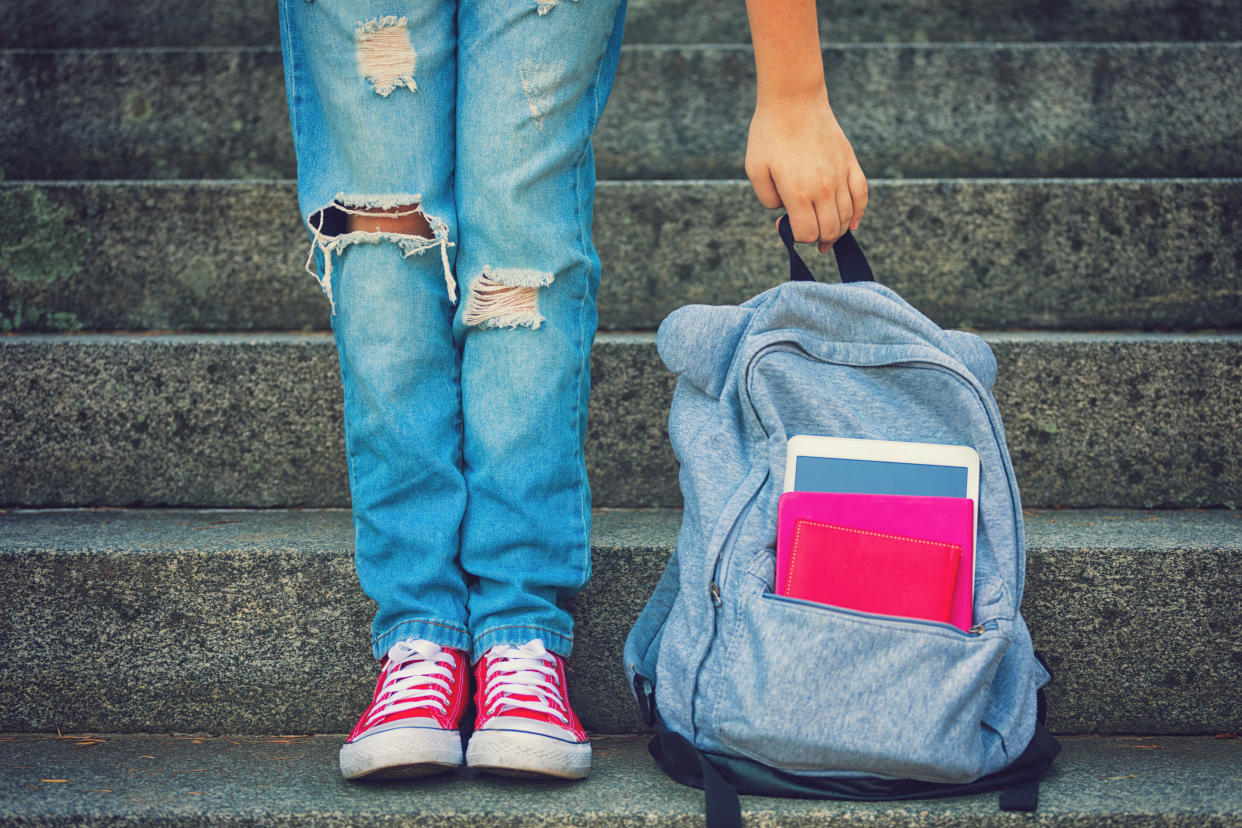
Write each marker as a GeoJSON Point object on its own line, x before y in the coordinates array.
{"type": "Point", "coordinates": [725, 556]}
{"type": "Point", "coordinates": [977, 629]}
{"type": "Point", "coordinates": [713, 589]}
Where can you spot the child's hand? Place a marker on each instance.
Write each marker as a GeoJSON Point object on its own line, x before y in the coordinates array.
{"type": "Point", "coordinates": [798, 157]}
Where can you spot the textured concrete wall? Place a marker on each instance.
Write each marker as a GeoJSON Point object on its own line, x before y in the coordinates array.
{"type": "Point", "coordinates": [224, 621]}
{"type": "Point", "coordinates": [1125, 420]}
{"type": "Point", "coordinates": [991, 255]}
{"type": "Point", "coordinates": [65, 24]}
{"type": "Point", "coordinates": [910, 111]}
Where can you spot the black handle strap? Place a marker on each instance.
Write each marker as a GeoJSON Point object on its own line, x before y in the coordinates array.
{"type": "Point", "coordinates": [850, 259]}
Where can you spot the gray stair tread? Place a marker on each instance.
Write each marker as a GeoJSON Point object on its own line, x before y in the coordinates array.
{"type": "Point", "coordinates": [235, 620]}
{"type": "Point", "coordinates": [65, 24]}
{"type": "Point", "coordinates": [329, 531]}
{"type": "Point", "coordinates": [1103, 419]}
{"type": "Point", "coordinates": [988, 254]}
{"type": "Point", "coordinates": [164, 779]}
{"type": "Point", "coordinates": [938, 110]}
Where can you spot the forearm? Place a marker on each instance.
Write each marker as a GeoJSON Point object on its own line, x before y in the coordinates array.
{"type": "Point", "coordinates": [788, 62]}
{"type": "Point", "coordinates": [797, 156]}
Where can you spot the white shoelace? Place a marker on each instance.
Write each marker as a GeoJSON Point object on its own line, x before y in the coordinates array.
{"type": "Point", "coordinates": [420, 676]}
{"type": "Point", "coordinates": [523, 670]}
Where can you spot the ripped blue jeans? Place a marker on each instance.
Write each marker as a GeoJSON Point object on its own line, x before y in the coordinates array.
{"type": "Point", "coordinates": [464, 352]}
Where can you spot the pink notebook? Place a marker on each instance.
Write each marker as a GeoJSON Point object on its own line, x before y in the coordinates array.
{"type": "Point", "coordinates": [942, 521]}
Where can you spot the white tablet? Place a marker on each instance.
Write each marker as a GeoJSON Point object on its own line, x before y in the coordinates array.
{"type": "Point", "coordinates": [843, 464]}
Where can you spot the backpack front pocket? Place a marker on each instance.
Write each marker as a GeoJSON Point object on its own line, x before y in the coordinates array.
{"type": "Point", "coordinates": [806, 687]}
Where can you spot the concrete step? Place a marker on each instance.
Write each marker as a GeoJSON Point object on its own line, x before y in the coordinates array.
{"type": "Point", "coordinates": [1068, 254]}
{"type": "Point", "coordinates": [1178, 782]}
{"type": "Point", "coordinates": [939, 110]}
{"type": "Point", "coordinates": [62, 24]}
{"type": "Point", "coordinates": [226, 621]}
{"type": "Point", "coordinates": [1125, 420]}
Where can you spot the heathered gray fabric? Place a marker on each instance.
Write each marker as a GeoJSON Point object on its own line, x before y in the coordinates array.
{"type": "Point", "coordinates": [905, 699]}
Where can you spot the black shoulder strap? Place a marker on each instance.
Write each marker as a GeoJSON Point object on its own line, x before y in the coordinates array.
{"type": "Point", "coordinates": [1024, 795]}
{"type": "Point", "coordinates": [1021, 797]}
{"type": "Point", "coordinates": [684, 762]}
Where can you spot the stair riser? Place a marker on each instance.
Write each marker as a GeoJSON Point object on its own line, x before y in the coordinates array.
{"type": "Point", "coordinates": [64, 24]}
{"type": "Point", "coordinates": [986, 254]}
{"type": "Point", "coordinates": [227, 622]}
{"type": "Point", "coordinates": [910, 111]}
{"type": "Point", "coordinates": [231, 420]}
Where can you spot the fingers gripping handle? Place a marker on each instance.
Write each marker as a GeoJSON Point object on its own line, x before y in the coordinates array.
{"type": "Point", "coordinates": [850, 259]}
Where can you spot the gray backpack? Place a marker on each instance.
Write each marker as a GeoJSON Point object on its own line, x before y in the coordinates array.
{"type": "Point", "coordinates": [755, 694]}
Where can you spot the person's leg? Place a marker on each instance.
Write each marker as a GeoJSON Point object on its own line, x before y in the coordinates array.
{"type": "Point", "coordinates": [532, 81]}
{"type": "Point", "coordinates": [372, 87]}
{"type": "Point", "coordinates": [363, 156]}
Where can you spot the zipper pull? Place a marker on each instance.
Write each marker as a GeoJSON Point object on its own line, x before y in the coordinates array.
{"type": "Point", "coordinates": [714, 591]}
{"type": "Point", "coordinates": [977, 629]}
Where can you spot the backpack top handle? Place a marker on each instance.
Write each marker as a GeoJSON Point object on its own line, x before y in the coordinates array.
{"type": "Point", "coordinates": [850, 259]}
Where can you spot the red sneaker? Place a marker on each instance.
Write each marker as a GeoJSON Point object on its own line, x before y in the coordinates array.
{"type": "Point", "coordinates": [411, 727]}
{"type": "Point", "coordinates": [525, 726]}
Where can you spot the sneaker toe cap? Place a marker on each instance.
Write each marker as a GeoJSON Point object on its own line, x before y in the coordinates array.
{"type": "Point", "coordinates": [521, 724]}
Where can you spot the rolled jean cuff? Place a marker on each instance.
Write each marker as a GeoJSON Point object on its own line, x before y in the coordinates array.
{"type": "Point", "coordinates": [514, 634]}
{"type": "Point", "coordinates": [437, 632]}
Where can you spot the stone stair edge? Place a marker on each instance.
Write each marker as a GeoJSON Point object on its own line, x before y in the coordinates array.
{"type": "Point", "coordinates": [682, 47]}
{"type": "Point", "coordinates": [825, 45]}
{"type": "Point", "coordinates": [637, 337]}
{"type": "Point", "coordinates": [1178, 782]}
{"type": "Point", "coordinates": [660, 184]}
{"type": "Point", "coordinates": [618, 528]}
{"type": "Point", "coordinates": [651, 183]}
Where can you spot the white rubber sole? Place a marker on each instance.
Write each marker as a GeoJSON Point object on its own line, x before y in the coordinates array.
{"type": "Point", "coordinates": [402, 753]}
{"type": "Point", "coordinates": [514, 753]}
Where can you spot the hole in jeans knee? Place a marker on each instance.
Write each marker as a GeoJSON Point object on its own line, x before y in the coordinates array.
{"type": "Point", "coordinates": [406, 219]}
{"type": "Point", "coordinates": [370, 219]}
{"type": "Point", "coordinates": [505, 298]}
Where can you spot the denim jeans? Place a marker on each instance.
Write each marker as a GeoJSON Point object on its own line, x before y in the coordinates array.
{"type": "Point", "coordinates": [464, 354]}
